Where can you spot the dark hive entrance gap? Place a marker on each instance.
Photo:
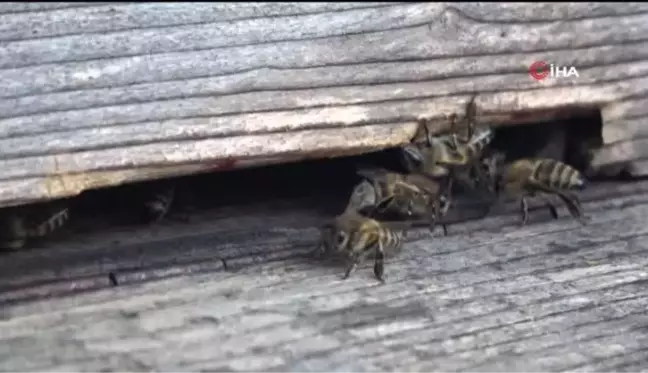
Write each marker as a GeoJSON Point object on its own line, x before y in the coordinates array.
{"type": "Point", "coordinates": [567, 139]}
{"type": "Point", "coordinates": [319, 188]}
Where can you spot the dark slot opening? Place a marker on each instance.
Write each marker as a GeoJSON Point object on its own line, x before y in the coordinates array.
{"type": "Point", "coordinates": [568, 139]}
{"type": "Point", "coordinates": [319, 187]}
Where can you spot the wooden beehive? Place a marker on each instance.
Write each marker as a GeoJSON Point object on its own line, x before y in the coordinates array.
{"type": "Point", "coordinates": [99, 94]}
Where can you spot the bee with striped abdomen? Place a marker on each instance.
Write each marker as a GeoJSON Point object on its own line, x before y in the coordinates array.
{"type": "Point", "coordinates": [30, 222]}
{"type": "Point", "coordinates": [406, 195]}
{"type": "Point", "coordinates": [529, 177]}
{"type": "Point", "coordinates": [356, 237]}
{"type": "Point", "coordinates": [450, 161]}
{"type": "Point", "coordinates": [55, 220]}
{"type": "Point", "coordinates": [452, 156]}
{"type": "Point", "coordinates": [445, 152]}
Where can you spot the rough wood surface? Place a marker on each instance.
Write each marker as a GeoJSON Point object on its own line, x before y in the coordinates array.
{"type": "Point", "coordinates": [625, 135]}
{"type": "Point", "coordinates": [491, 296]}
{"type": "Point", "coordinates": [91, 92]}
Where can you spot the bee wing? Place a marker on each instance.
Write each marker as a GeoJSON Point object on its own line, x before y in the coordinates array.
{"type": "Point", "coordinates": [363, 196]}
{"type": "Point", "coordinates": [413, 153]}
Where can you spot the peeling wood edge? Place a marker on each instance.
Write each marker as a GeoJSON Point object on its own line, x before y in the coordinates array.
{"type": "Point", "coordinates": [69, 185]}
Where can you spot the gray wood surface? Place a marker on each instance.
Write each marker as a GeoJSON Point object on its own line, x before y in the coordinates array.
{"type": "Point", "coordinates": [491, 296]}
{"type": "Point", "coordinates": [95, 95]}
{"type": "Point", "coordinates": [626, 135]}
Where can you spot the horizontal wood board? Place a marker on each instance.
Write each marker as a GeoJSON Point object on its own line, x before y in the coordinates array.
{"type": "Point", "coordinates": [98, 94]}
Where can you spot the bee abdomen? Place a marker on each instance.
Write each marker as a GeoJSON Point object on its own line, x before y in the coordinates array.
{"type": "Point", "coordinates": [53, 223]}
{"type": "Point", "coordinates": [558, 175]}
{"type": "Point", "coordinates": [393, 239]}
{"type": "Point", "coordinates": [481, 140]}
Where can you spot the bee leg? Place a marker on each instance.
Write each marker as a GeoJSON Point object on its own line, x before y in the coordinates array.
{"type": "Point", "coordinates": [434, 214]}
{"type": "Point", "coordinates": [432, 222]}
{"type": "Point", "coordinates": [471, 113]}
{"type": "Point", "coordinates": [574, 207]}
{"type": "Point", "coordinates": [445, 201]}
{"type": "Point", "coordinates": [423, 129]}
{"type": "Point", "coordinates": [379, 265]}
{"type": "Point", "coordinates": [524, 206]}
{"type": "Point", "coordinates": [351, 265]}
{"type": "Point", "coordinates": [446, 195]}
{"type": "Point", "coordinates": [453, 122]}
{"type": "Point", "coordinates": [482, 178]}
{"type": "Point", "coordinates": [552, 208]}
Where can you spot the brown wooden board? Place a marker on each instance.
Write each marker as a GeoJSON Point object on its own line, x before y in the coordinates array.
{"type": "Point", "coordinates": [100, 94]}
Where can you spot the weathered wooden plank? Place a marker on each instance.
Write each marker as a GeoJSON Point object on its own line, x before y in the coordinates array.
{"type": "Point", "coordinates": [624, 135]}
{"type": "Point", "coordinates": [623, 120]}
{"type": "Point", "coordinates": [58, 176]}
{"type": "Point", "coordinates": [122, 86]}
{"type": "Point", "coordinates": [15, 9]}
{"type": "Point", "coordinates": [413, 20]}
{"type": "Point", "coordinates": [547, 297]}
{"type": "Point", "coordinates": [110, 17]}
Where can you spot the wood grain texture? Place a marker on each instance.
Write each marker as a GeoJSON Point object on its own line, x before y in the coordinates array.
{"type": "Point", "coordinates": [87, 89]}
{"type": "Point", "coordinates": [625, 135]}
{"type": "Point", "coordinates": [491, 296]}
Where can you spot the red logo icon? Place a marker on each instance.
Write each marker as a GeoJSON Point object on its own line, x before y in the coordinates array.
{"type": "Point", "coordinates": [539, 70]}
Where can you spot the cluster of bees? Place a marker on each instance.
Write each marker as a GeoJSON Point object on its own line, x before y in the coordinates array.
{"type": "Point", "coordinates": [24, 224]}
{"type": "Point", "coordinates": [434, 164]}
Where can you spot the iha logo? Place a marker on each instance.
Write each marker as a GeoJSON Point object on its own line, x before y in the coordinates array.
{"type": "Point", "coordinates": [539, 70]}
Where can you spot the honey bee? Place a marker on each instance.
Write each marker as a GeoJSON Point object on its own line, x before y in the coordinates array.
{"type": "Point", "coordinates": [452, 156]}
{"type": "Point", "coordinates": [449, 160]}
{"type": "Point", "coordinates": [356, 237]}
{"type": "Point", "coordinates": [469, 117]}
{"type": "Point", "coordinates": [459, 132]}
{"type": "Point", "coordinates": [383, 192]}
{"type": "Point", "coordinates": [444, 153]}
{"type": "Point", "coordinates": [529, 177]}
{"type": "Point", "coordinates": [19, 226]}
{"type": "Point", "coordinates": [159, 203]}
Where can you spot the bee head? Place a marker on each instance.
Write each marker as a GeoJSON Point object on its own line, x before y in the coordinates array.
{"type": "Point", "coordinates": [581, 184]}
{"type": "Point", "coordinates": [333, 239]}
{"type": "Point", "coordinates": [340, 240]}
